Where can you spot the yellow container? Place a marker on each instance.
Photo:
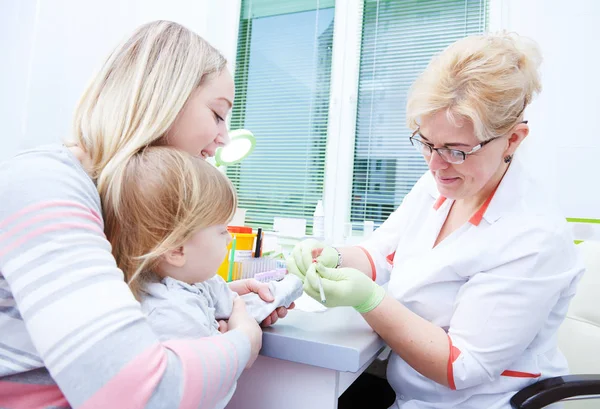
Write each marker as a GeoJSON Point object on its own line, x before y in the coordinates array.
{"type": "Point", "coordinates": [243, 250]}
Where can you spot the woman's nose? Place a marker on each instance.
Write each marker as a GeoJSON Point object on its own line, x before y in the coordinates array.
{"type": "Point", "coordinates": [436, 162]}
{"type": "Point", "coordinates": [223, 138]}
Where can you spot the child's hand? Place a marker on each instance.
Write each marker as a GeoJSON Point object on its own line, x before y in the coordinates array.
{"type": "Point", "coordinates": [242, 287]}
{"type": "Point", "coordinates": [241, 320]}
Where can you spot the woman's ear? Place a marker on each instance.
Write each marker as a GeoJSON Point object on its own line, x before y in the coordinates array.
{"type": "Point", "coordinates": [518, 134]}
{"type": "Point", "coordinates": [175, 257]}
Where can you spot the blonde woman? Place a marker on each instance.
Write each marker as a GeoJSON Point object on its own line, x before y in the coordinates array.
{"type": "Point", "coordinates": [71, 332]}
{"type": "Point", "coordinates": [481, 266]}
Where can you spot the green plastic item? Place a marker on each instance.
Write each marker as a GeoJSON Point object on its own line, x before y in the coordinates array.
{"type": "Point", "coordinates": [241, 144]}
{"type": "Point", "coordinates": [231, 259]}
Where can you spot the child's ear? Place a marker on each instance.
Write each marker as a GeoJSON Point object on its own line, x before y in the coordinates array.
{"type": "Point", "coordinates": [175, 257]}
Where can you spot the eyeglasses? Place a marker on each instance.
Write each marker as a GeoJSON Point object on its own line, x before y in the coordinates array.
{"type": "Point", "coordinates": [453, 156]}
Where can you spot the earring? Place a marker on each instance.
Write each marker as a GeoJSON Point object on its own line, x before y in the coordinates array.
{"type": "Point", "coordinates": [507, 158]}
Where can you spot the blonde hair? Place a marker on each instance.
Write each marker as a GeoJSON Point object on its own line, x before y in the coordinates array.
{"type": "Point", "coordinates": [135, 98]}
{"type": "Point", "coordinates": [165, 197]}
{"type": "Point", "coordinates": [487, 79]}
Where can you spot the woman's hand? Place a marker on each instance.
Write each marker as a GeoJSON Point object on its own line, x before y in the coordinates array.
{"type": "Point", "coordinates": [262, 289]}
{"type": "Point", "coordinates": [308, 250]}
{"type": "Point", "coordinates": [240, 319]}
{"type": "Point", "coordinates": [343, 287]}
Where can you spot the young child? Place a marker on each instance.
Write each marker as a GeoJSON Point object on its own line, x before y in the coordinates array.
{"type": "Point", "coordinates": [169, 237]}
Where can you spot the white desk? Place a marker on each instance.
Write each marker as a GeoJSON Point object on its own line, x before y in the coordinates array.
{"type": "Point", "coordinates": [307, 361]}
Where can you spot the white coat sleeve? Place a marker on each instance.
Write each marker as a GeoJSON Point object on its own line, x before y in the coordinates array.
{"type": "Point", "coordinates": [381, 247]}
{"type": "Point", "coordinates": [500, 311]}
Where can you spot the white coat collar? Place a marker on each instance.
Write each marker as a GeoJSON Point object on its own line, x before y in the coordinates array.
{"type": "Point", "coordinates": [501, 200]}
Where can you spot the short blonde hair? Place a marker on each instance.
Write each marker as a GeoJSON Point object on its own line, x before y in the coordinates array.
{"type": "Point", "coordinates": [136, 97]}
{"type": "Point", "coordinates": [487, 79]}
{"type": "Point", "coordinates": [166, 196]}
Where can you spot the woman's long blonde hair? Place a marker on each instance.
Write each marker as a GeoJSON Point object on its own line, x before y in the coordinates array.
{"type": "Point", "coordinates": [166, 195]}
{"type": "Point", "coordinates": [135, 98]}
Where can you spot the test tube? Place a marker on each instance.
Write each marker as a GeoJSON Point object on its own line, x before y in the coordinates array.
{"type": "Point", "coordinates": [321, 292]}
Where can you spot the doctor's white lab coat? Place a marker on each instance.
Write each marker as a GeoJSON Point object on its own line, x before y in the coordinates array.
{"type": "Point", "coordinates": [499, 286]}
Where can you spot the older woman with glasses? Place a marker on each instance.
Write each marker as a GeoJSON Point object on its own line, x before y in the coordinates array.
{"type": "Point", "coordinates": [480, 265]}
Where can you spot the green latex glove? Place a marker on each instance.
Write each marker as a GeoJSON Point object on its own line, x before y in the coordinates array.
{"type": "Point", "coordinates": [343, 287]}
{"type": "Point", "coordinates": [302, 257]}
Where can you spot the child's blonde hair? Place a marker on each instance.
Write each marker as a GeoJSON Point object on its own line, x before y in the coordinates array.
{"type": "Point", "coordinates": [166, 196]}
{"type": "Point", "coordinates": [136, 97]}
{"type": "Point", "coordinates": [488, 79]}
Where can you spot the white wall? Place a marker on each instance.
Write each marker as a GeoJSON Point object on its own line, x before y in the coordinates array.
{"type": "Point", "coordinates": [50, 49]}
{"type": "Point", "coordinates": [563, 149]}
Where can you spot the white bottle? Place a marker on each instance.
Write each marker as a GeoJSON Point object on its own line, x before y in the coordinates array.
{"type": "Point", "coordinates": [319, 220]}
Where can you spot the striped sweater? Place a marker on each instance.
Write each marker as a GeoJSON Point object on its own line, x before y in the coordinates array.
{"type": "Point", "coordinates": [71, 333]}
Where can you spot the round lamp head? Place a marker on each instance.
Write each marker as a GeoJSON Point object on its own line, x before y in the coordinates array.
{"type": "Point", "coordinates": [241, 145]}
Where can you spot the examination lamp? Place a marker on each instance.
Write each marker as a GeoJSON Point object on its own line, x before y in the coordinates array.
{"type": "Point", "coordinates": [241, 145]}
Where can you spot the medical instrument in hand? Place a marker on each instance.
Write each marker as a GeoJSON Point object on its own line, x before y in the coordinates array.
{"type": "Point", "coordinates": [321, 292]}
{"type": "Point", "coordinates": [345, 287]}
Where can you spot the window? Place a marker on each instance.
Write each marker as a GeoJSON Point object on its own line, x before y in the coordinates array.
{"type": "Point", "coordinates": [284, 83]}
{"type": "Point", "coordinates": [398, 40]}
{"type": "Point", "coordinates": [282, 77]}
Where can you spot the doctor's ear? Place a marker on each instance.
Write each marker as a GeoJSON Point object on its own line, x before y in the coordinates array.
{"type": "Point", "coordinates": [175, 257]}
{"type": "Point", "coordinates": [517, 135]}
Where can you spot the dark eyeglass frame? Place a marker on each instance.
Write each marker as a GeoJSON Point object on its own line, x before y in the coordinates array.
{"type": "Point", "coordinates": [448, 151]}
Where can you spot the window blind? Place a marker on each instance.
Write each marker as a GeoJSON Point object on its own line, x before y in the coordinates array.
{"type": "Point", "coordinates": [398, 40]}
{"type": "Point", "coordinates": [282, 77]}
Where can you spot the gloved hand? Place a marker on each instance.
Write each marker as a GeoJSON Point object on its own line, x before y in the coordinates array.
{"type": "Point", "coordinates": [302, 257]}
{"type": "Point", "coordinates": [343, 287]}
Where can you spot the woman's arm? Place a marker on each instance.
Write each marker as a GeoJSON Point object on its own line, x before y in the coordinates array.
{"type": "Point", "coordinates": [420, 343]}
{"type": "Point", "coordinates": [80, 315]}
{"type": "Point", "coordinates": [358, 258]}
{"type": "Point", "coordinates": [497, 312]}
{"type": "Point", "coordinates": [423, 345]}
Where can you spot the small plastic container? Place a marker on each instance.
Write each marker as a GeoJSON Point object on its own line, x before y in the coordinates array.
{"type": "Point", "coordinates": [243, 248]}
{"type": "Point", "coordinates": [319, 220]}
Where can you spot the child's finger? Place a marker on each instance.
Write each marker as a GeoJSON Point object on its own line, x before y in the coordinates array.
{"type": "Point", "coordinates": [239, 306]}
{"type": "Point", "coordinates": [223, 327]}
{"type": "Point", "coordinates": [328, 256]}
{"type": "Point", "coordinates": [316, 252]}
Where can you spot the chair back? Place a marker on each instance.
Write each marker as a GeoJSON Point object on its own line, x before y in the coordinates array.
{"type": "Point", "coordinates": [579, 335]}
